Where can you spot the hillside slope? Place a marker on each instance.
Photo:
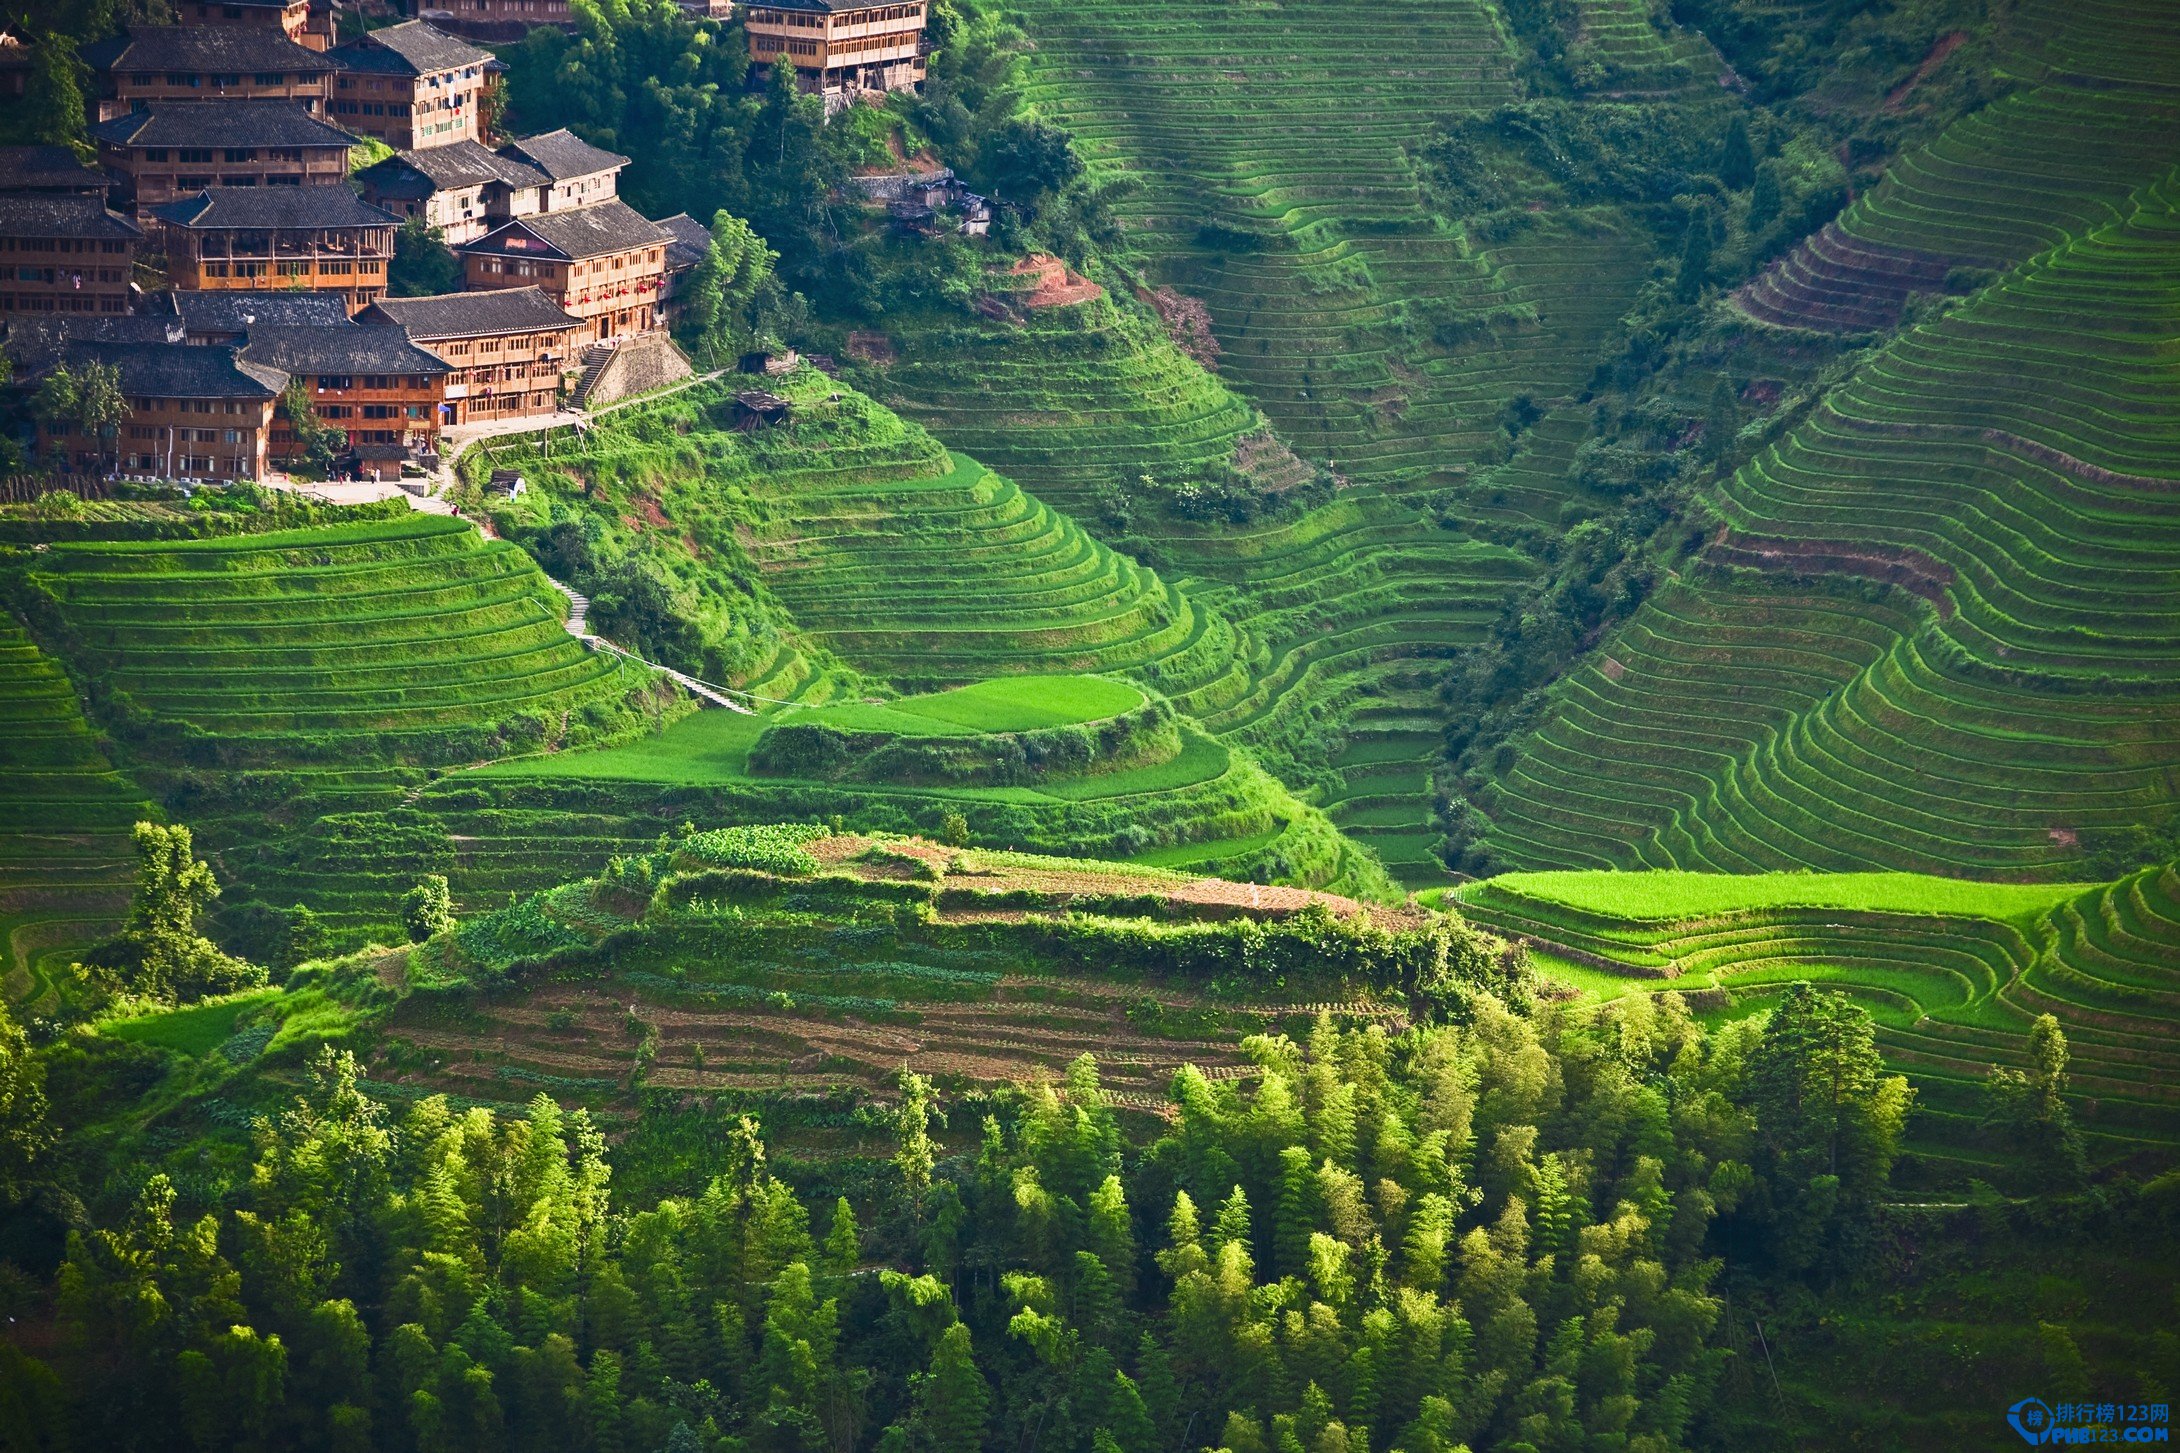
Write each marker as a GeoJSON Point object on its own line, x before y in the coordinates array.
{"type": "Point", "coordinates": [2006, 472]}
{"type": "Point", "coordinates": [1953, 972]}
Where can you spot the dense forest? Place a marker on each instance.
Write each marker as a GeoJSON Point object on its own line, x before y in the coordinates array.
{"type": "Point", "coordinates": [1502, 1231]}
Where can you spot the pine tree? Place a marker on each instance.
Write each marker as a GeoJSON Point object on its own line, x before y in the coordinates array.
{"type": "Point", "coordinates": [912, 1124]}
{"type": "Point", "coordinates": [1695, 257]}
{"type": "Point", "coordinates": [1737, 156]}
{"type": "Point", "coordinates": [954, 1398]}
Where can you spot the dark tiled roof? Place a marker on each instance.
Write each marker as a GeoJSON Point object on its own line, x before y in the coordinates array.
{"type": "Point", "coordinates": [46, 169]}
{"type": "Point", "coordinates": [348, 348]}
{"type": "Point", "coordinates": [221, 123]}
{"type": "Point", "coordinates": [61, 214]}
{"type": "Point", "coordinates": [466, 315]}
{"type": "Point", "coordinates": [277, 208]}
{"type": "Point", "coordinates": [201, 48]}
{"type": "Point", "coordinates": [458, 164]}
{"type": "Point", "coordinates": [411, 48]}
{"type": "Point", "coordinates": [562, 154]}
{"type": "Point", "coordinates": [37, 343]}
{"type": "Point", "coordinates": [182, 370]}
{"type": "Point", "coordinates": [583, 232]}
{"type": "Point", "coordinates": [239, 312]}
{"type": "Point", "coordinates": [691, 240]}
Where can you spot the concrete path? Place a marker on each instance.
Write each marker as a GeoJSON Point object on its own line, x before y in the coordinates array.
{"type": "Point", "coordinates": [579, 627]}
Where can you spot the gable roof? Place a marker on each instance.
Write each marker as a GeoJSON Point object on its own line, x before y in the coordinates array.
{"type": "Point", "coordinates": [251, 122]}
{"type": "Point", "coordinates": [147, 49]}
{"type": "Point", "coordinates": [181, 370]}
{"type": "Point", "coordinates": [435, 168]}
{"type": "Point", "coordinates": [46, 169]}
{"type": "Point", "coordinates": [293, 208]}
{"type": "Point", "coordinates": [412, 48]}
{"type": "Point", "coordinates": [471, 315]}
{"type": "Point", "coordinates": [241, 312]}
{"type": "Point", "coordinates": [346, 348]}
{"type": "Point", "coordinates": [691, 240]}
{"type": "Point", "coordinates": [562, 154]}
{"type": "Point", "coordinates": [582, 232]}
{"type": "Point", "coordinates": [62, 214]}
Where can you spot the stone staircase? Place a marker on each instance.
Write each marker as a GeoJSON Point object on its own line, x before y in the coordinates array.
{"type": "Point", "coordinates": [595, 358]}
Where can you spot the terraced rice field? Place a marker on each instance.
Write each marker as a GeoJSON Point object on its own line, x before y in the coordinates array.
{"type": "Point", "coordinates": [1953, 972]}
{"type": "Point", "coordinates": [884, 573]}
{"type": "Point", "coordinates": [1268, 149]}
{"type": "Point", "coordinates": [65, 813]}
{"type": "Point", "coordinates": [1618, 49]}
{"type": "Point", "coordinates": [750, 998]}
{"type": "Point", "coordinates": [405, 639]}
{"type": "Point", "coordinates": [1070, 401]}
{"type": "Point", "coordinates": [2024, 174]}
{"type": "Point", "coordinates": [2009, 470]}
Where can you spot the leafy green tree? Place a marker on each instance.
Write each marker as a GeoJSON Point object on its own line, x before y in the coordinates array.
{"type": "Point", "coordinates": [953, 1400]}
{"type": "Point", "coordinates": [88, 400]}
{"type": "Point", "coordinates": [53, 98]}
{"type": "Point", "coordinates": [24, 1131]}
{"type": "Point", "coordinates": [720, 319]}
{"type": "Point", "coordinates": [915, 1154]}
{"type": "Point", "coordinates": [306, 936]}
{"type": "Point", "coordinates": [2028, 1108]}
{"type": "Point", "coordinates": [1695, 257]}
{"type": "Point", "coordinates": [1025, 162]}
{"type": "Point", "coordinates": [423, 265]}
{"type": "Point", "coordinates": [319, 442]}
{"type": "Point", "coordinates": [428, 908]}
{"type": "Point", "coordinates": [160, 954]}
{"type": "Point", "coordinates": [1828, 1122]}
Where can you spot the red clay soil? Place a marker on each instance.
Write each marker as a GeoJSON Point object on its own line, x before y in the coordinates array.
{"type": "Point", "coordinates": [871, 347]}
{"type": "Point", "coordinates": [1911, 570]}
{"type": "Point", "coordinates": [1948, 43]}
{"type": "Point", "coordinates": [1188, 323]}
{"type": "Point", "coordinates": [974, 872]}
{"type": "Point", "coordinates": [1054, 285]}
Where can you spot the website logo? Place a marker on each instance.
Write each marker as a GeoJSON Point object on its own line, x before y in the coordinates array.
{"type": "Point", "coordinates": [2031, 1418]}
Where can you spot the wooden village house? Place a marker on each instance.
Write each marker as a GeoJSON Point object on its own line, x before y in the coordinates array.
{"type": "Point", "coordinates": [177, 148]}
{"type": "Point", "coordinates": [64, 253]}
{"type": "Point", "coordinates": [604, 264]}
{"type": "Point", "coordinates": [412, 86]}
{"type": "Point", "coordinates": [154, 63]}
{"type": "Point", "coordinates": [254, 239]}
{"type": "Point", "coordinates": [507, 351]}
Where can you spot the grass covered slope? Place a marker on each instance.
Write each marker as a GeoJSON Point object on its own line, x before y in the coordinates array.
{"type": "Point", "coordinates": [65, 814]}
{"type": "Point", "coordinates": [1954, 972]}
{"type": "Point", "coordinates": [400, 639]}
{"type": "Point", "coordinates": [780, 961]}
{"type": "Point", "coordinates": [1073, 401]}
{"type": "Point", "coordinates": [1998, 697]}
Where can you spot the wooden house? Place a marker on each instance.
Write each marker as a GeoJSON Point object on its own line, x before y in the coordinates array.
{"type": "Point", "coordinates": [507, 351]}
{"type": "Point", "coordinates": [257, 239]}
{"type": "Point", "coordinates": [176, 149]}
{"type": "Point", "coordinates": [155, 63]}
{"type": "Point", "coordinates": [604, 264]}
{"type": "Point", "coordinates": [64, 252]}
{"type": "Point", "coordinates": [412, 86]}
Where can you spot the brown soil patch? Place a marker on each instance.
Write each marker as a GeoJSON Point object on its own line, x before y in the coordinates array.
{"type": "Point", "coordinates": [1188, 323]}
{"type": "Point", "coordinates": [871, 346]}
{"type": "Point", "coordinates": [1052, 283]}
{"type": "Point", "coordinates": [2066, 837]}
{"type": "Point", "coordinates": [1948, 43]}
{"type": "Point", "coordinates": [1613, 670]}
{"type": "Point", "coordinates": [1911, 570]}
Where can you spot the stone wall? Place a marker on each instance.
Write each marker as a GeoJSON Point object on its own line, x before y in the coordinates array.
{"type": "Point", "coordinates": [643, 363]}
